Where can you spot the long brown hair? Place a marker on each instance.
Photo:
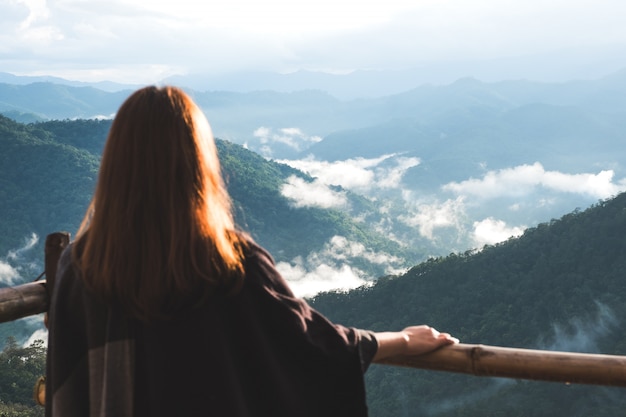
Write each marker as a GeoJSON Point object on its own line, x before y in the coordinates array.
{"type": "Point", "coordinates": [159, 227]}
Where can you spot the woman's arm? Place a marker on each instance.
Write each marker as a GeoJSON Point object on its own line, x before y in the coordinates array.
{"type": "Point", "coordinates": [413, 340]}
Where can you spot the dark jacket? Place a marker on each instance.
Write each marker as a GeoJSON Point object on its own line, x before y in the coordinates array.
{"type": "Point", "coordinates": [262, 352]}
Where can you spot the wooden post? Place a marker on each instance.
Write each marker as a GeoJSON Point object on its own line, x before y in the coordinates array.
{"type": "Point", "coordinates": [482, 360]}
{"type": "Point", "coordinates": [32, 298]}
{"type": "Point", "coordinates": [55, 243]}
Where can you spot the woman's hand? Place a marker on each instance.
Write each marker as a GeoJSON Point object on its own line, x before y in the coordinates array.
{"type": "Point", "coordinates": [413, 340]}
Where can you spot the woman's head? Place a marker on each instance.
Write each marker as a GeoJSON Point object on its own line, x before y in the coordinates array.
{"type": "Point", "coordinates": [160, 218]}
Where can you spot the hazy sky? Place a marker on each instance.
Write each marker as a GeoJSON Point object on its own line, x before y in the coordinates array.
{"type": "Point", "coordinates": [143, 41]}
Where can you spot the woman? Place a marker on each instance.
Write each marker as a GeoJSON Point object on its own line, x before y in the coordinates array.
{"type": "Point", "coordinates": [162, 308]}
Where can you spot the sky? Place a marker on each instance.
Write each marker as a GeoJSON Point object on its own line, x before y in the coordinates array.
{"type": "Point", "coordinates": [140, 41]}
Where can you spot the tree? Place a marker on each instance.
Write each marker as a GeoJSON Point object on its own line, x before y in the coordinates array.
{"type": "Point", "coordinates": [20, 367]}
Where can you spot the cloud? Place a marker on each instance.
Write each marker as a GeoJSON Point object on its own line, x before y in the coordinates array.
{"type": "Point", "coordinates": [579, 335]}
{"type": "Point", "coordinates": [341, 249]}
{"type": "Point", "coordinates": [39, 334]}
{"type": "Point", "coordinates": [479, 30]}
{"type": "Point", "coordinates": [312, 194]}
{"type": "Point", "coordinates": [15, 261]}
{"type": "Point", "coordinates": [524, 179]}
{"type": "Point", "coordinates": [491, 231]}
{"type": "Point", "coordinates": [330, 268]}
{"type": "Point", "coordinates": [305, 282]}
{"type": "Point", "coordinates": [29, 243]}
{"type": "Point", "coordinates": [37, 11]}
{"type": "Point", "coordinates": [137, 41]}
{"type": "Point", "coordinates": [392, 177]}
{"type": "Point", "coordinates": [8, 274]}
{"type": "Point", "coordinates": [291, 137]}
{"type": "Point", "coordinates": [583, 334]}
{"type": "Point", "coordinates": [430, 216]}
{"type": "Point", "coordinates": [358, 174]}
{"type": "Point", "coordinates": [373, 178]}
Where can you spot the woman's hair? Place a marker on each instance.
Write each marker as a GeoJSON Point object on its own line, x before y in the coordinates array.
{"type": "Point", "coordinates": [159, 229]}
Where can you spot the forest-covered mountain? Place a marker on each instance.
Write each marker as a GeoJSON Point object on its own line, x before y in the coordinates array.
{"type": "Point", "coordinates": [48, 171]}
{"type": "Point", "coordinates": [560, 286]}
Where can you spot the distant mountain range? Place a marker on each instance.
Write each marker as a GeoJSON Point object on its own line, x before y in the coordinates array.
{"type": "Point", "coordinates": [457, 165]}
{"type": "Point", "coordinates": [7, 78]}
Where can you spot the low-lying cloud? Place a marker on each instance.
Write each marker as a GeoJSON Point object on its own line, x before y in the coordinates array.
{"type": "Point", "coordinates": [34, 324]}
{"type": "Point", "coordinates": [358, 174]}
{"type": "Point", "coordinates": [491, 231]}
{"type": "Point", "coordinates": [333, 268]}
{"type": "Point", "coordinates": [524, 179]}
{"type": "Point", "coordinates": [427, 217]}
{"type": "Point", "coordinates": [291, 137]}
{"type": "Point", "coordinates": [525, 193]}
{"type": "Point", "coordinates": [312, 194]}
{"type": "Point", "coordinates": [583, 334]}
{"type": "Point", "coordinates": [307, 282]}
{"type": "Point", "coordinates": [8, 274]}
{"type": "Point", "coordinates": [366, 176]}
{"type": "Point", "coordinates": [15, 261]}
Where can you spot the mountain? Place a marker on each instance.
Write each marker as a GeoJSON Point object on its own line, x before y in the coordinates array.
{"type": "Point", "coordinates": [48, 171]}
{"type": "Point", "coordinates": [109, 86]}
{"type": "Point", "coordinates": [46, 184]}
{"type": "Point", "coordinates": [55, 101]}
{"type": "Point", "coordinates": [560, 286]}
{"type": "Point", "coordinates": [449, 167]}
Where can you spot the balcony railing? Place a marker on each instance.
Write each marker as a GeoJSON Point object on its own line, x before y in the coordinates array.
{"type": "Point", "coordinates": [479, 360]}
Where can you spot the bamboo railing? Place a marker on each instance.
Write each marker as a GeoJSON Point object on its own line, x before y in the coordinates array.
{"type": "Point", "coordinates": [479, 360]}
{"type": "Point", "coordinates": [543, 365]}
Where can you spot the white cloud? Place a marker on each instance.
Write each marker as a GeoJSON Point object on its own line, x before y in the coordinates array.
{"type": "Point", "coordinates": [430, 216]}
{"type": "Point", "coordinates": [262, 133]}
{"type": "Point", "coordinates": [312, 194]}
{"type": "Point", "coordinates": [352, 173]}
{"type": "Point", "coordinates": [29, 243]}
{"type": "Point", "coordinates": [40, 334]}
{"type": "Point", "coordinates": [522, 180]}
{"type": "Point", "coordinates": [392, 177]}
{"type": "Point", "coordinates": [8, 274]}
{"type": "Point", "coordinates": [340, 248]}
{"type": "Point", "coordinates": [14, 261]}
{"type": "Point", "coordinates": [358, 174]}
{"type": "Point", "coordinates": [329, 269]}
{"type": "Point", "coordinates": [127, 39]}
{"type": "Point", "coordinates": [582, 334]}
{"type": "Point", "coordinates": [37, 11]}
{"type": "Point", "coordinates": [285, 17]}
{"type": "Point", "coordinates": [309, 282]}
{"type": "Point", "coordinates": [491, 231]}
{"type": "Point", "coordinates": [292, 137]}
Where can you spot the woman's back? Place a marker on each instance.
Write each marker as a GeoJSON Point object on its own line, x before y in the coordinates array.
{"type": "Point", "coordinates": [261, 352]}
